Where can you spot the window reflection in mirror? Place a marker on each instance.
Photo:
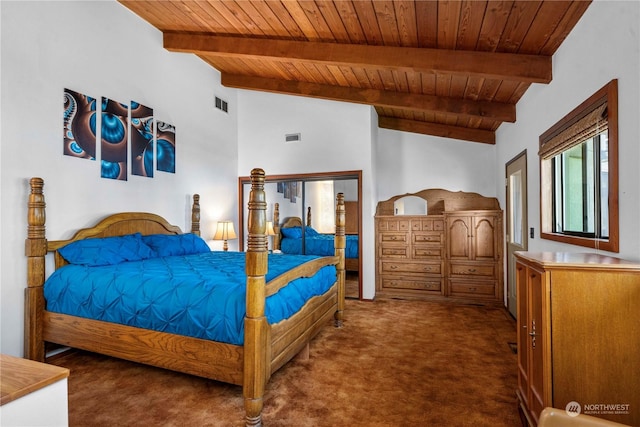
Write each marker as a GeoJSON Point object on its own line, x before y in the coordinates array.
{"type": "Point", "coordinates": [410, 205]}
{"type": "Point", "coordinates": [320, 197]}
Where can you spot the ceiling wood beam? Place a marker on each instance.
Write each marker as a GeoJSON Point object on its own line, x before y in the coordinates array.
{"type": "Point", "coordinates": [502, 66]}
{"type": "Point", "coordinates": [380, 98]}
{"type": "Point", "coordinates": [435, 129]}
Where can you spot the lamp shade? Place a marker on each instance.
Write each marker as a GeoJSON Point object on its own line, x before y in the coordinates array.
{"type": "Point", "coordinates": [270, 231]}
{"type": "Point", "coordinates": [225, 231]}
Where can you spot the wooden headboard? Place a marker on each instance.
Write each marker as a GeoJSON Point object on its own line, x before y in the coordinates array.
{"type": "Point", "coordinates": [351, 212]}
{"type": "Point", "coordinates": [118, 224]}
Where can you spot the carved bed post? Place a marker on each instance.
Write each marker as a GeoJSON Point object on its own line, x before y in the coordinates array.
{"type": "Point", "coordinates": [276, 225]}
{"type": "Point", "coordinates": [309, 216]}
{"type": "Point", "coordinates": [340, 245]}
{"type": "Point", "coordinates": [195, 215]}
{"type": "Point", "coordinates": [35, 250]}
{"type": "Point", "coordinates": [256, 336]}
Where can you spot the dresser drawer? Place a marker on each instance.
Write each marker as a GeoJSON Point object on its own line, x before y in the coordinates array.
{"type": "Point", "coordinates": [400, 238]}
{"type": "Point", "coordinates": [478, 289]}
{"type": "Point", "coordinates": [426, 252]}
{"type": "Point", "coordinates": [391, 251]}
{"type": "Point", "coordinates": [426, 237]}
{"type": "Point", "coordinates": [394, 225]}
{"type": "Point", "coordinates": [487, 271]}
{"type": "Point", "coordinates": [412, 283]}
{"type": "Point", "coordinates": [428, 224]}
{"type": "Point", "coordinates": [412, 267]}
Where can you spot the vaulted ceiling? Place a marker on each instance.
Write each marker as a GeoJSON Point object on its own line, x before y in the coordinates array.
{"type": "Point", "coordinates": [452, 68]}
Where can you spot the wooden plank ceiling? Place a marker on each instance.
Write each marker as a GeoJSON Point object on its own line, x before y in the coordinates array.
{"type": "Point", "coordinates": [454, 69]}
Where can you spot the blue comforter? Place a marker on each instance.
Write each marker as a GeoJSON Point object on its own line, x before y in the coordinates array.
{"type": "Point", "coordinates": [201, 295]}
{"type": "Point", "coordinates": [320, 244]}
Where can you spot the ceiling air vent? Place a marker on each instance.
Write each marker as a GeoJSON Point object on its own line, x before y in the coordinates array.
{"type": "Point", "coordinates": [221, 104]}
{"type": "Point", "coordinates": [292, 137]}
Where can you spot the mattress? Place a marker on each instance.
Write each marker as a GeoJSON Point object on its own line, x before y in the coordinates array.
{"type": "Point", "coordinates": [200, 295]}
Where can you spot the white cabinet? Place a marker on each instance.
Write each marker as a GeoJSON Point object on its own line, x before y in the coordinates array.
{"type": "Point", "coordinates": [32, 393]}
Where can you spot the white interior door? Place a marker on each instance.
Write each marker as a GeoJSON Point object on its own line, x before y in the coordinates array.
{"type": "Point", "coordinates": [517, 226]}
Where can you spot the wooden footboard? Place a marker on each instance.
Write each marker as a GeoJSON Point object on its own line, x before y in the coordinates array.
{"type": "Point", "coordinates": [266, 347]}
{"type": "Point", "coordinates": [203, 358]}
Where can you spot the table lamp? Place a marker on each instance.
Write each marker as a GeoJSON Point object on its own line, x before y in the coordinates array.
{"type": "Point", "coordinates": [225, 231]}
{"type": "Point", "coordinates": [269, 232]}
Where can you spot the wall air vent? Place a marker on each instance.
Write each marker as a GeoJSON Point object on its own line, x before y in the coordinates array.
{"type": "Point", "coordinates": [292, 137]}
{"type": "Point", "coordinates": [221, 104]}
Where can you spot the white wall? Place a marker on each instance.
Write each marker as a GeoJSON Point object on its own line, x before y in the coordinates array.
{"type": "Point", "coordinates": [335, 137]}
{"type": "Point", "coordinates": [409, 162]}
{"type": "Point", "coordinates": [100, 49]}
{"type": "Point", "coordinates": [604, 45]}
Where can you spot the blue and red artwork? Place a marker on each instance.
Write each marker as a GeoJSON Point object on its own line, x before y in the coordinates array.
{"type": "Point", "coordinates": [166, 147]}
{"type": "Point", "coordinates": [114, 138]}
{"type": "Point", "coordinates": [79, 125]}
{"type": "Point", "coordinates": [141, 131]}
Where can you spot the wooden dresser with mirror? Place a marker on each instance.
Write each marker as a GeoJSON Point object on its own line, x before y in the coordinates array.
{"type": "Point", "coordinates": [442, 245]}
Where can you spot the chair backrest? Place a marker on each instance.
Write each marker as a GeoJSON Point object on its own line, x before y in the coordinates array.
{"type": "Point", "coordinates": [553, 417]}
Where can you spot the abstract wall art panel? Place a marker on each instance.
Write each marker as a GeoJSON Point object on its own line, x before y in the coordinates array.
{"type": "Point", "coordinates": [141, 131]}
{"type": "Point", "coordinates": [166, 147]}
{"type": "Point", "coordinates": [79, 125]}
{"type": "Point", "coordinates": [114, 138]}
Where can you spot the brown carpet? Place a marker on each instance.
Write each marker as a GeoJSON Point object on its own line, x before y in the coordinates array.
{"type": "Point", "coordinates": [394, 363]}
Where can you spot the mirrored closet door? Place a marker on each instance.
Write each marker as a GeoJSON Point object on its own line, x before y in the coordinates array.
{"type": "Point", "coordinates": [301, 210]}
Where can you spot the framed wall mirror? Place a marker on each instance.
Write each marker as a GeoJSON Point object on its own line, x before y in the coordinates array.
{"type": "Point", "coordinates": [410, 205]}
{"type": "Point", "coordinates": [301, 209]}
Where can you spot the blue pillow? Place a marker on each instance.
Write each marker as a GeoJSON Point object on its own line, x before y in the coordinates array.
{"type": "Point", "coordinates": [309, 231]}
{"type": "Point", "coordinates": [106, 250]}
{"type": "Point", "coordinates": [292, 232]}
{"type": "Point", "coordinates": [176, 244]}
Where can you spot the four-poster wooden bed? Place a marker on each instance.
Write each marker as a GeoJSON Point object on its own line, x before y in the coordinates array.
{"type": "Point", "coordinates": [265, 348]}
{"type": "Point", "coordinates": [318, 247]}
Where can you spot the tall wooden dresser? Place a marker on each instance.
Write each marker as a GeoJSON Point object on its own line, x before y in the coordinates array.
{"type": "Point", "coordinates": [453, 252]}
{"type": "Point", "coordinates": [578, 335]}
{"type": "Point", "coordinates": [410, 255]}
